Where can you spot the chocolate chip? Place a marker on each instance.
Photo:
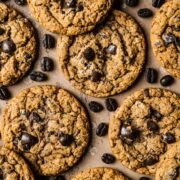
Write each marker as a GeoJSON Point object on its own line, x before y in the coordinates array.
{"type": "Point", "coordinates": [2, 31]}
{"type": "Point", "coordinates": [127, 132]}
{"type": "Point", "coordinates": [146, 92]}
{"type": "Point", "coordinates": [80, 7]}
{"type": "Point", "coordinates": [38, 76]}
{"type": "Point", "coordinates": [132, 3]}
{"type": "Point", "coordinates": [48, 41]}
{"type": "Point", "coordinates": [144, 178]}
{"type": "Point", "coordinates": [96, 76]}
{"type": "Point", "coordinates": [20, 2]}
{"type": "Point", "coordinates": [65, 139]}
{"type": "Point", "coordinates": [28, 140]}
{"type": "Point", "coordinates": [152, 126]}
{"type": "Point", "coordinates": [47, 64]}
{"type": "Point", "coordinates": [102, 129]}
{"type": "Point", "coordinates": [145, 13]}
{"type": "Point", "coordinates": [169, 138]}
{"type": "Point", "coordinates": [8, 46]}
{"type": "Point", "coordinates": [158, 3]}
{"type": "Point", "coordinates": [34, 117]}
{"type": "Point", "coordinates": [111, 49]}
{"type": "Point", "coordinates": [168, 38]}
{"type": "Point", "coordinates": [71, 3]}
{"type": "Point", "coordinates": [4, 93]}
{"type": "Point", "coordinates": [176, 174]}
{"type": "Point", "coordinates": [108, 158]}
{"type": "Point", "coordinates": [156, 114]}
{"type": "Point", "coordinates": [89, 54]}
{"type": "Point", "coordinates": [95, 107]}
{"type": "Point", "coordinates": [152, 75]}
{"type": "Point", "coordinates": [111, 104]}
{"type": "Point", "coordinates": [167, 80]}
{"type": "Point", "coordinates": [150, 161]}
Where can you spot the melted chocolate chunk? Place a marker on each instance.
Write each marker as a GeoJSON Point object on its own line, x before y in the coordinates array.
{"type": "Point", "coordinates": [8, 46]}
{"type": "Point", "coordinates": [66, 139]}
{"type": "Point", "coordinates": [89, 54]}
{"type": "Point", "coordinates": [169, 138]}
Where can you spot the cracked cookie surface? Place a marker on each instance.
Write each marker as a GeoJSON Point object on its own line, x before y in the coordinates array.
{"type": "Point", "coordinates": [144, 127]}
{"type": "Point", "coordinates": [17, 45]}
{"type": "Point", "coordinates": [70, 17]}
{"type": "Point", "coordinates": [165, 37]}
{"type": "Point", "coordinates": [13, 167]}
{"type": "Point", "coordinates": [106, 61]}
{"type": "Point", "coordinates": [100, 174]}
{"type": "Point", "coordinates": [169, 165]}
{"type": "Point", "coordinates": [48, 126]}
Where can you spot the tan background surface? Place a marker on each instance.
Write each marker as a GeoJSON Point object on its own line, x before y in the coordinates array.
{"type": "Point", "coordinates": [98, 145]}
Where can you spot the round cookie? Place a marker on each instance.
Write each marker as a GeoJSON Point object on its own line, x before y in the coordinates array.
{"type": "Point", "coordinates": [17, 45]}
{"type": "Point", "coordinates": [100, 174]}
{"type": "Point", "coordinates": [169, 165]}
{"type": "Point", "coordinates": [145, 125]}
{"type": "Point", "coordinates": [48, 126]}
{"type": "Point", "coordinates": [106, 61]}
{"type": "Point", "coordinates": [13, 167]}
{"type": "Point", "coordinates": [70, 17]}
{"type": "Point", "coordinates": [165, 37]}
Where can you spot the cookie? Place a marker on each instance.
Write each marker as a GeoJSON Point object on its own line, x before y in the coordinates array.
{"type": "Point", "coordinates": [13, 167]}
{"type": "Point", "coordinates": [165, 37]}
{"type": "Point", "coordinates": [106, 61]}
{"type": "Point", "coordinates": [169, 165]}
{"type": "Point", "coordinates": [146, 124]}
{"type": "Point", "coordinates": [100, 174]}
{"type": "Point", "coordinates": [70, 17]}
{"type": "Point", "coordinates": [48, 126]}
{"type": "Point", "coordinates": [18, 45]}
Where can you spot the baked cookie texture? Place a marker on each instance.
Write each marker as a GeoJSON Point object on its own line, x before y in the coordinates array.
{"type": "Point", "coordinates": [169, 165]}
{"type": "Point", "coordinates": [13, 167]}
{"type": "Point", "coordinates": [165, 37]}
{"type": "Point", "coordinates": [144, 127]}
{"type": "Point", "coordinates": [48, 126]}
{"type": "Point", "coordinates": [100, 173]}
{"type": "Point", "coordinates": [18, 45]}
{"type": "Point", "coordinates": [106, 61]}
{"type": "Point", "coordinates": [70, 17]}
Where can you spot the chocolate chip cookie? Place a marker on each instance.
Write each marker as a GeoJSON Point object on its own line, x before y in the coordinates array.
{"type": "Point", "coordinates": [17, 45]}
{"type": "Point", "coordinates": [146, 124]}
{"type": "Point", "coordinates": [48, 126]}
{"type": "Point", "coordinates": [100, 174]}
{"type": "Point", "coordinates": [70, 17]}
{"type": "Point", "coordinates": [13, 167]}
{"type": "Point", "coordinates": [106, 61]}
{"type": "Point", "coordinates": [169, 165]}
{"type": "Point", "coordinates": [165, 37]}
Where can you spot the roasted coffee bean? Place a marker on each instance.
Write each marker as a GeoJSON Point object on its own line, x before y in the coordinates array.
{"type": "Point", "coordinates": [8, 46]}
{"type": "Point", "coordinates": [95, 107]}
{"type": "Point", "coordinates": [144, 178]}
{"type": "Point", "coordinates": [89, 54]}
{"type": "Point", "coordinates": [145, 13]}
{"type": "Point", "coordinates": [65, 139]}
{"type": "Point", "coordinates": [96, 76]}
{"type": "Point", "coordinates": [169, 38]}
{"type": "Point", "coordinates": [4, 93]}
{"type": "Point", "coordinates": [49, 41]}
{"type": "Point", "coordinates": [132, 3]}
{"type": "Point", "coordinates": [47, 64]}
{"type": "Point", "coordinates": [152, 75]}
{"type": "Point", "coordinates": [167, 80]}
{"type": "Point", "coordinates": [2, 31]}
{"type": "Point", "coordinates": [102, 129]}
{"type": "Point", "coordinates": [111, 49]}
{"type": "Point", "coordinates": [108, 158]}
{"type": "Point", "coordinates": [34, 117]}
{"type": "Point", "coordinates": [158, 3]}
{"type": "Point", "coordinates": [38, 76]}
{"type": "Point", "coordinates": [152, 126]}
{"type": "Point", "coordinates": [111, 104]}
{"type": "Point", "coordinates": [28, 140]}
{"type": "Point", "coordinates": [169, 138]}
{"type": "Point", "coordinates": [21, 2]}
{"type": "Point", "coordinates": [156, 114]}
{"type": "Point", "coordinates": [71, 3]}
{"type": "Point", "coordinates": [150, 161]}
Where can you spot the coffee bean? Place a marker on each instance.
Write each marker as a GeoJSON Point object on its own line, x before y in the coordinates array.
{"type": "Point", "coordinates": [145, 13]}
{"type": "Point", "coordinates": [150, 161]}
{"type": "Point", "coordinates": [111, 49]}
{"type": "Point", "coordinates": [48, 41]}
{"type": "Point", "coordinates": [156, 114]}
{"type": "Point", "coordinates": [144, 178]}
{"type": "Point", "coordinates": [167, 80]}
{"type": "Point", "coordinates": [132, 3]}
{"type": "Point", "coordinates": [96, 76]}
{"type": "Point", "coordinates": [169, 38]}
{"type": "Point", "coordinates": [158, 3]}
{"type": "Point", "coordinates": [108, 158]}
{"type": "Point", "coordinates": [111, 104]}
{"type": "Point", "coordinates": [21, 2]}
{"type": "Point", "coordinates": [38, 76]}
{"type": "Point", "coordinates": [71, 3]}
{"type": "Point", "coordinates": [4, 93]}
{"type": "Point", "coordinates": [2, 31]}
{"type": "Point", "coordinates": [8, 46]}
{"type": "Point", "coordinates": [102, 129]}
{"type": "Point", "coordinates": [28, 140]}
{"type": "Point", "coordinates": [152, 75]}
{"type": "Point", "coordinates": [34, 117]}
{"type": "Point", "coordinates": [95, 107]}
{"type": "Point", "coordinates": [47, 64]}
{"type": "Point", "coordinates": [89, 54]}
{"type": "Point", "coordinates": [65, 139]}
{"type": "Point", "coordinates": [152, 126]}
{"type": "Point", "coordinates": [169, 138]}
